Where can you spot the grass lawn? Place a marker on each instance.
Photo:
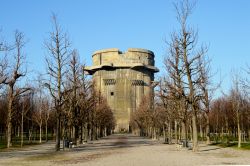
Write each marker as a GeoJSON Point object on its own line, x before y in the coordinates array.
{"type": "Point", "coordinates": [244, 146]}
{"type": "Point", "coordinates": [16, 141]}
{"type": "Point", "coordinates": [2, 145]}
{"type": "Point", "coordinates": [17, 144]}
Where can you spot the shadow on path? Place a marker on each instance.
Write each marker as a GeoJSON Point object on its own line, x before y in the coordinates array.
{"type": "Point", "coordinates": [116, 141]}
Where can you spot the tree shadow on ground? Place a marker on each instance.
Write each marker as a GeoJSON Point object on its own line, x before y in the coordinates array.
{"type": "Point", "coordinates": [115, 142]}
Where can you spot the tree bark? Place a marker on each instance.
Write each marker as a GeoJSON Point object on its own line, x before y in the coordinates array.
{"type": "Point", "coordinates": [169, 133]}
{"type": "Point", "coordinates": [176, 131]}
{"type": "Point", "coordinates": [195, 134]}
{"type": "Point", "coordinates": [164, 134]}
{"type": "Point", "coordinates": [201, 132]}
{"type": "Point", "coordinates": [57, 146]}
{"type": "Point", "coordinates": [238, 129]}
{"type": "Point", "coordinates": [22, 130]}
{"type": "Point", "coordinates": [207, 130]}
{"type": "Point", "coordinates": [184, 133]}
{"type": "Point", "coordinates": [9, 118]}
{"type": "Point", "coordinates": [46, 130]}
{"type": "Point", "coordinates": [85, 132]}
{"type": "Point", "coordinates": [40, 133]}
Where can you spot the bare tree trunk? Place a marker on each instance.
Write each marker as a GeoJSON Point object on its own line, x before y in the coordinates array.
{"type": "Point", "coordinates": [184, 133]}
{"type": "Point", "coordinates": [179, 132]}
{"type": "Point", "coordinates": [85, 132]}
{"type": "Point", "coordinates": [207, 130]}
{"type": "Point", "coordinates": [164, 134]}
{"type": "Point", "coordinates": [40, 133]}
{"type": "Point", "coordinates": [9, 144]}
{"type": "Point", "coordinates": [9, 125]}
{"type": "Point", "coordinates": [201, 132]}
{"type": "Point", "coordinates": [18, 131]}
{"type": "Point", "coordinates": [63, 134]}
{"type": "Point", "coordinates": [169, 133]}
{"type": "Point", "coordinates": [176, 131]}
{"type": "Point", "coordinates": [191, 132]}
{"type": "Point", "coordinates": [238, 129]}
{"type": "Point", "coordinates": [154, 133]}
{"type": "Point", "coordinates": [30, 135]}
{"type": "Point", "coordinates": [222, 133]}
{"type": "Point", "coordinates": [46, 130]}
{"type": "Point", "coordinates": [95, 132]}
{"type": "Point", "coordinates": [22, 130]}
{"type": "Point", "coordinates": [195, 134]}
{"type": "Point", "coordinates": [82, 135]}
{"type": "Point", "coordinates": [57, 146]}
{"type": "Point", "coordinates": [76, 130]}
{"type": "Point", "coordinates": [227, 131]}
{"type": "Point", "coordinates": [249, 134]}
{"type": "Point", "coordinates": [105, 132]}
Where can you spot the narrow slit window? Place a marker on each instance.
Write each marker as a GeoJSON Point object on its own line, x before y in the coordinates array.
{"type": "Point", "coordinates": [112, 93]}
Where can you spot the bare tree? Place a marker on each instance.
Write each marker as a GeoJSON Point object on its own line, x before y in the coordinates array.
{"type": "Point", "coordinates": [74, 79]}
{"type": "Point", "coordinates": [26, 107]}
{"type": "Point", "coordinates": [58, 47]}
{"type": "Point", "coordinates": [173, 89]}
{"type": "Point", "coordinates": [104, 118]}
{"type": "Point", "coordinates": [236, 99]}
{"type": "Point", "coordinates": [38, 112]}
{"type": "Point", "coordinates": [142, 117]}
{"type": "Point", "coordinates": [183, 66]}
{"type": "Point", "coordinates": [15, 73]}
{"type": "Point", "coordinates": [46, 111]}
{"type": "Point", "coordinates": [229, 115]}
{"type": "Point", "coordinates": [205, 100]}
{"type": "Point", "coordinates": [188, 41]}
{"type": "Point", "coordinates": [85, 103]}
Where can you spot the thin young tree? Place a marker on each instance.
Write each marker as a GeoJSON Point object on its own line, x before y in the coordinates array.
{"type": "Point", "coordinates": [74, 77]}
{"type": "Point", "coordinates": [58, 47]}
{"type": "Point", "coordinates": [46, 111]}
{"type": "Point", "coordinates": [38, 112]}
{"type": "Point", "coordinates": [236, 99]}
{"type": "Point", "coordinates": [85, 103]}
{"type": "Point", "coordinates": [26, 107]}
{"type": "Point", "coordinates": [206, 91]}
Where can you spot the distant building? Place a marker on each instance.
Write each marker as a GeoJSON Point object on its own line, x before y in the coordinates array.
{"type": "Point", "coordinates": [124, 79]}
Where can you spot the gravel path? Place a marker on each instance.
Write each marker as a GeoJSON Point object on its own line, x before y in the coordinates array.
{"type": "Point", "coordinates": [124, 150]}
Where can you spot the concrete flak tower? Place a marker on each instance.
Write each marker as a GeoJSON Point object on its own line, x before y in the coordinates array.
{"type": "Point", "coordinates": [123, 79]}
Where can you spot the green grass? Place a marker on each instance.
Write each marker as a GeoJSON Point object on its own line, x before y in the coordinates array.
{"type": "Point", "coordinates": [244, 146]}
{"type": "Point", "coordinates": [16, 142]}
{"type": "Point", "coordinates": [2, 145]}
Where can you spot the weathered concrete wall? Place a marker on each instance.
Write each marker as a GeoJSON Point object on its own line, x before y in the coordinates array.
{"type": "Point", "coordinates": [124, 79]}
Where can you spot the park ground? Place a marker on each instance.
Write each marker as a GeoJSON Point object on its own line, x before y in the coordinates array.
{"type": "Point", "coordinates": [123, 150]}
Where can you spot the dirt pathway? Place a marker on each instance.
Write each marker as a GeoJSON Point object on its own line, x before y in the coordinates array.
{"type": "Point", "coordinates": [124, 150]}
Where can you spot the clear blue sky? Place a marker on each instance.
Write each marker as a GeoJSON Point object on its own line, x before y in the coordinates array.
{"type": "Point", "coordinates": [97, 24]}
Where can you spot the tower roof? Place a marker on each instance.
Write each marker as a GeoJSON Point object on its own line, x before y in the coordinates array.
{"type": "Point", "coordinates": [112, 58]}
